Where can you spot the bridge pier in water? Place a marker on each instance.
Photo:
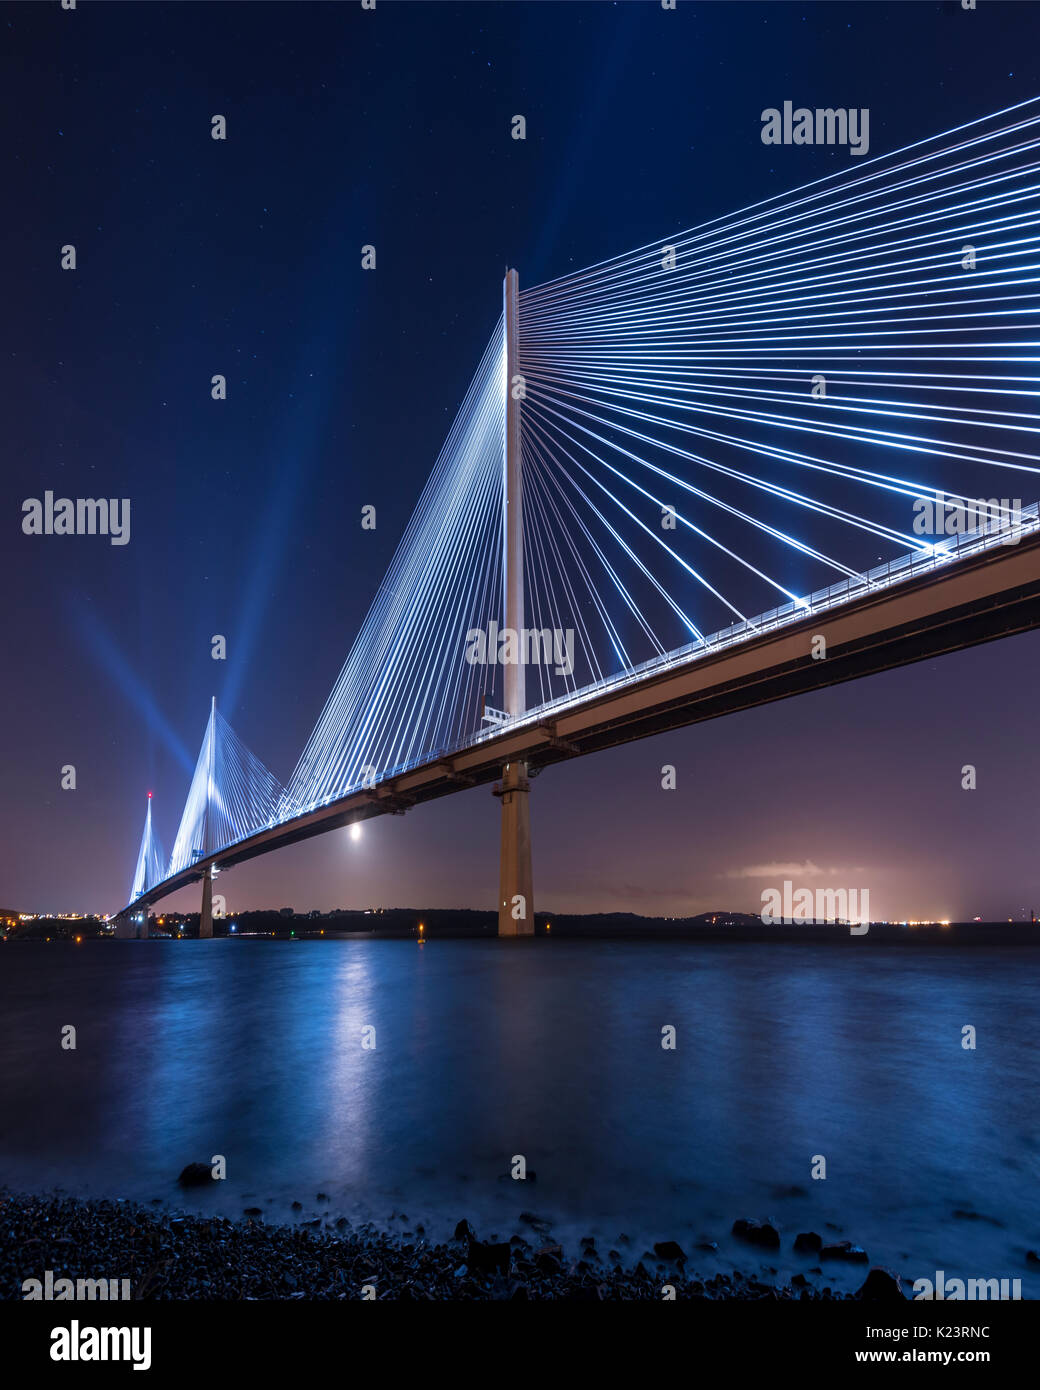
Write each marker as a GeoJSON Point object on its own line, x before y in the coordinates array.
{"type": "Point", "coordinates": [515, 883]}
{"type": "Point", "coordinates": [515, 888]}
{"type": "Point", "coordinates": [206, 915]}
{"type": "Point", "coordinates": [132, 924]}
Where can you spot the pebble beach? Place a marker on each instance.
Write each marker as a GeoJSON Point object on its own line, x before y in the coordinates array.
{"type": "Point", "coordinates": [171, 1255]}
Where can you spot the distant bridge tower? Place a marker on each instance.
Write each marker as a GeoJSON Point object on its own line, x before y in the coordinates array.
{"type": "Point", "coordinates": [151, 868]}
{"type": "Point", "coordinates": [515, 889]}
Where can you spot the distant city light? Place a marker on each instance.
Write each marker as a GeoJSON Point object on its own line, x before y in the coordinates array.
{"type": "Point", "coordinates": [355, 831]}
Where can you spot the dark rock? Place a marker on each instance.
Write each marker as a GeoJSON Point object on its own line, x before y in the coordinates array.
{"type": "Point", "coordinates": [195, 1175]}
{"type": "Point", "coordinates": [800, 1281]}
{"type": "Point", "coordinates": [845, 1250]}
{"type": "Point", "coordinates": [586, 1293]}
{"type": "Point", "coordinates": [253, 1211]}
{"type": "Point", "coordinates": [882, 1286]}
{"type": "Point", "coordinates": [669, 1250]}
{"type": "Point", "coordinates": [464, 1231]}
{"type": "Point", "coordinates": [808, 1242]}
{"type": "Point", "coordinates": [1033, 1257]}
{"type": "Point", "coordinates": [757, 1233]}
{"type": "Point", "coordinates": [488, 1258]}
{"type": "Point", "coordinates": [793, 1191]}
{"type": "Point", "coordinates": [323, 1197]}
{"type": "Point", "coordinates": [297, 1206]}
{"type": "Point", "coordinates": [710, 1247]}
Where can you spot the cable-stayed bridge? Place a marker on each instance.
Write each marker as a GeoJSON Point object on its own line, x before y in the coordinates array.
{"type": "Point", "coordinates": [790, 447]}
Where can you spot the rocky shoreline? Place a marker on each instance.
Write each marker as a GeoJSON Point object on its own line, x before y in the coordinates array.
{"type": "Point", "coordinates": [175, 1255]}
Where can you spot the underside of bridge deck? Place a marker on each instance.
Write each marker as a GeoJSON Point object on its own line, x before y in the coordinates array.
{"type": "Point", "coordinates": [993, 594]}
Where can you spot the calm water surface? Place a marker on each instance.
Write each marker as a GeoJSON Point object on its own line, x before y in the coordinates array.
{"type": "Point", "coordinates": [551, 1050]}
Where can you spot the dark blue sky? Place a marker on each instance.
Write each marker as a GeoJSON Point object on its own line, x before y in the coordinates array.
{"type": "Point", "coordinates": [242, 257]}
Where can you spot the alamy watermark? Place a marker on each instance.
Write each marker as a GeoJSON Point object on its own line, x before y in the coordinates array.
{"type": "Point", "coordinates": [531, 646]}
{"type": "Point", "coordinates": [956, 516]}
{"type": "Point", "coordinates": [943, 1288]}
{"type": "Point", "coordinates": [48, 1288]}
{"type": "Point", "coordinates": [846, 906]}
{"type": "Point", "coordinates": [80, 1343]}
{"type": "Point", "coordinates": [77, 516]}
{"type": "Point", "coordinates": [822, 126]}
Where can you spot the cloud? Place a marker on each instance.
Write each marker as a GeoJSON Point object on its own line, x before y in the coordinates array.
{"type": "Point", "coordinates": [806, 870]}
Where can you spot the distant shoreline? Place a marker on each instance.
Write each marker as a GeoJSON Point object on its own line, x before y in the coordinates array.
{"type": "Point", "coordinates": [465, 924]}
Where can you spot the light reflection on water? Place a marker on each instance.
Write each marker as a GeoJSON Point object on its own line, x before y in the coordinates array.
{"type": "Point", "coordinates": [550, 1050]}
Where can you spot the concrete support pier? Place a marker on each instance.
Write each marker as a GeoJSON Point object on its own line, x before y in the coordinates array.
{"type": "Point", "coordinates": [515, 887]}
{"type": "Point", "coordinates": [206, 916]}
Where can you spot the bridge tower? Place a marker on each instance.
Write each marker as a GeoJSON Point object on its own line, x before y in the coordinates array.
{"type": "Point", "coordinates": [206, 915]}
{"type": "Point", "coordinates": [515, 887]}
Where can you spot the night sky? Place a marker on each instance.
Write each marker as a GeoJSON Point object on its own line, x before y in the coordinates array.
{"type": "Point", "coordinates": [243, 257]}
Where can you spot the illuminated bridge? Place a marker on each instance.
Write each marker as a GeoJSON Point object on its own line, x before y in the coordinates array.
{"type": "Point", "coordinates": [793, 446]}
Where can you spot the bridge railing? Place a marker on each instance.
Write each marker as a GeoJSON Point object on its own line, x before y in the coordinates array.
{"type": "Point", "coordinates": [883, 576]}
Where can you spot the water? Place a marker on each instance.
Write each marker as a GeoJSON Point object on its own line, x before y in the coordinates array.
{"type": "Point", "coordinates": [550, 1050]}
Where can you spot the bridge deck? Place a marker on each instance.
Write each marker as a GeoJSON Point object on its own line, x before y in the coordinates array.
{"type": "Point", "coordinates": [989, 592]}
